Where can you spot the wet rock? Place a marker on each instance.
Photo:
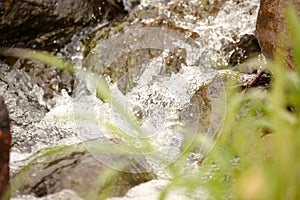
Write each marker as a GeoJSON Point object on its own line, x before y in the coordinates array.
{"type": "Point", "coordinates": [271, 30]}
{"type": "Point", "coordinates": [51, 80]}
{"type": "Point", "coordinates": [55, 26]}
{"type": "Point", "coordinates": [21, 92]}
{"type": "Point", "coordinates": [241, 50]}
{"type": "Point", "coordinates": [244, 56]}
{"type": "Point", "coordinates": [79, 171]}
{"type": "Point", "coordinates": [131, 4]}
{"type": "Point", "coordinates": [5, 140]}
{"type": "Point", "coordinates": [145, 16]}
{"type": "Point", "coordinates": [27, 107]}
{"type": "Point", "coordinates": [51, 24]}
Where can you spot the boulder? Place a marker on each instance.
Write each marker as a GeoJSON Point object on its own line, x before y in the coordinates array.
{"type": "Point", "coordinates": [271, 30]}
{"type": "Point", "coordinates": [51, 24]}
{"type": "Point", "coordinates": [75, 169]}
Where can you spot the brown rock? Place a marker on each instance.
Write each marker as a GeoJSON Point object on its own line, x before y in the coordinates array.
{"type": "Point", "coordinates": [271, 30]}
{"type": "Point", "coordinates": [77, 170]}
{"type": "Point", "coordinates": [5, 139]}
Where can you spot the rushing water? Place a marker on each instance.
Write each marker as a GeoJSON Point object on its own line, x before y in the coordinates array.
{"type": "Point", "coordinates": [165, 105]}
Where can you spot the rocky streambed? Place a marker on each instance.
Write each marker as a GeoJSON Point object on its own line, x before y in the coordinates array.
{"type": "Point", "coordinates": [165, 63]}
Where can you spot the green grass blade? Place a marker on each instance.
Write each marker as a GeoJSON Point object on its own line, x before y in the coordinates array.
{"type": "Point", "coordinates": [41, 56]}
{"type": "Point", "coordinates": [294, 26]}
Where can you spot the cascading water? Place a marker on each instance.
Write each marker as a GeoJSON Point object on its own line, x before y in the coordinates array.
{"type": "Point", "coordinates": [166, 103]}
{"type": "Point", "coordinates": [153, 106]}
{"type": "Point", "coordinates": [160, 97]}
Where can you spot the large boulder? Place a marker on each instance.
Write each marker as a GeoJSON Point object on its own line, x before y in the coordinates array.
{"type": "Point", "coordinates": [271, 29]}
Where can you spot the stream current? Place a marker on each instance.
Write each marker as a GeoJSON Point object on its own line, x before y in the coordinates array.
{"type": "Point", "coordinates": [159, 110]}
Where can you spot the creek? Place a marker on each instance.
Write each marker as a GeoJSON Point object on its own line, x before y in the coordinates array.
{"type": "Point", "coordinates": [164, 66]}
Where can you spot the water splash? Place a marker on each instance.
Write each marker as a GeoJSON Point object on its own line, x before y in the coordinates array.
{"type": "Point", "coordinates": [234, 19]}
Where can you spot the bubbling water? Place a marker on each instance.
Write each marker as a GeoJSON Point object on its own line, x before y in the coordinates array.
{"type": "Point", "coordinates": [159, 109]}
{"type": "Point", "coordinates": [169, 107]}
